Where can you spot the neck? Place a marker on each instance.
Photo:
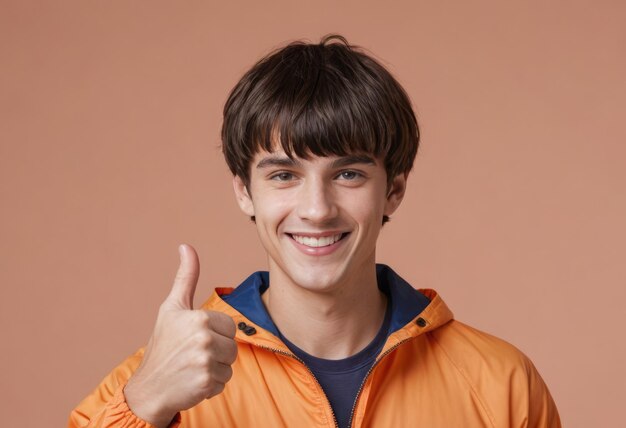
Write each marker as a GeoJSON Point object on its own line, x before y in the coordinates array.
{"type": "Point", "coordinates": [331, 324]}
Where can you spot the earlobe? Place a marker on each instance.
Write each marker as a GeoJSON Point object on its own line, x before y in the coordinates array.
{"type": "Point", "coordinates": [243, 196]}
{"type": "Point", "coordinates": [395, 194]}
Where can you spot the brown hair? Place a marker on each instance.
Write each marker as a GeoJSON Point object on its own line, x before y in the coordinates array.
{"type": "Point", "coordinates": [320, 99]}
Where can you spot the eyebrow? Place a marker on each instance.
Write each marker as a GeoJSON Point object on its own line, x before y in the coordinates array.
{"type": "Point", "coordinates": [286, 162]}
{"type": "Point", "coordinates": [281, 161]}
{"type": "Point", "coordinates": [353, 159]}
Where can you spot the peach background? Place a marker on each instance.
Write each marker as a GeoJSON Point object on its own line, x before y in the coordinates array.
{"type": "Point", "coordinates": [109, 157]}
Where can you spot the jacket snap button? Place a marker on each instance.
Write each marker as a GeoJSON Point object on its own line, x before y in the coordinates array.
{"type": "Point", "coordinates": [241, 325]}
{"type": "Point", "coordinates": [249, 331]}
{"type": "Point", "coordinates": [421, 322]}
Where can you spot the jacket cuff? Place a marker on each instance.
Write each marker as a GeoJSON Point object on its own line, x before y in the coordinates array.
{"type": "Point", "coordinates": [120, 415]}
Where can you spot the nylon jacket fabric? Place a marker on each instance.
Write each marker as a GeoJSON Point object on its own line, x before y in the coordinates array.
{"type": "Point", "coordinates": [433, 371]}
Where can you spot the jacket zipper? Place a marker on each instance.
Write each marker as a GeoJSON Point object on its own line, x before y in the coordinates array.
{"type": "Point", "coordinates": [295, 357]}
{"type": "Point", "coordinates": [358, 394]}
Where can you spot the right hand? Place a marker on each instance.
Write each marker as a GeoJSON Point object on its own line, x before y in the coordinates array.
{"type": "Point", "coordinates": [189, 355]}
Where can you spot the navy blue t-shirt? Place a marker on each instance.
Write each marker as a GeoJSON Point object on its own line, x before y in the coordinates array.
{"type": "Point", "coordinates": [341, 379]}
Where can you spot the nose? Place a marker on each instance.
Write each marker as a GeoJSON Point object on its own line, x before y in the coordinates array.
{"type": "Point", "coordinates": [316, 201]}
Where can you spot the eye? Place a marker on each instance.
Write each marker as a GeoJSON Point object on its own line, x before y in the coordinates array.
{"type": "Point", "coordinates": [350, 175]}
{"type": "Point", "coordinates": [282, 176]}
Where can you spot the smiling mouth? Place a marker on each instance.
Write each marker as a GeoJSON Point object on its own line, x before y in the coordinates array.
{"type": "Point", "coordinates": [317, 242]}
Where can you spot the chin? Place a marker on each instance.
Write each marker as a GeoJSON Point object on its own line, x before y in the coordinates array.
{"type": "Point", "coordinates": [318, 278]}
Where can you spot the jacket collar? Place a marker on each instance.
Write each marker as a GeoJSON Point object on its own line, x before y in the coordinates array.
{"type": "Point", "coordinates": [244, 304]}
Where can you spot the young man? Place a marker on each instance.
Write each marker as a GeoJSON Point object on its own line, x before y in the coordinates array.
{"type": "Point", "coordinates": [320, 139]}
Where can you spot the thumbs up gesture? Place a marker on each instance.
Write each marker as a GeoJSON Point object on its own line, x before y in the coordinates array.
{"type": "Point", "coordinates": [189, 356]}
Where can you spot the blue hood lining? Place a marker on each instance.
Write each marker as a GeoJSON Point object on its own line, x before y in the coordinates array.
{"type": "Point", "coordinates": [406, 302]}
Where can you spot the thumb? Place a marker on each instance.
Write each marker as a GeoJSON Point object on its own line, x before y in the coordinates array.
{"type": "Point", "coordinates": [184, 288]}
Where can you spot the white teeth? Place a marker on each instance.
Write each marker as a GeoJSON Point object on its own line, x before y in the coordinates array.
{"type": "Point", "coordinates": [317, 242]}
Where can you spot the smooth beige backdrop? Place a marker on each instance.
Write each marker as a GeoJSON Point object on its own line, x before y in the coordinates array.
{"type": "Point", "coordinates": [110, 114]}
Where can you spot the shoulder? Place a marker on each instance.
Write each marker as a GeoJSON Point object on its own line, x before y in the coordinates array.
{"type": "Point", "coordinates": [487, 362]}
{"type": "Point", "coordinates": [469, 347]}
{"type": "Point", "coordinates": [499, 375]}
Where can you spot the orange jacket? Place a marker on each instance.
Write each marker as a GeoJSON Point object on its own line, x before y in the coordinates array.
{"type": "Point", "coordinates": [432, 372]}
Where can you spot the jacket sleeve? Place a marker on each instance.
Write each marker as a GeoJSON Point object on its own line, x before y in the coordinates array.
{"type": "Point", "coordinates": [106, 406]}
{"type": "Point", "coordinates": [541, 411]}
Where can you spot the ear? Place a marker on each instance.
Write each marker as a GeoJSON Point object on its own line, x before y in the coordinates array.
{"type": "Point", "coordinates": [243, 196]}
{"type": "Point", "coordinates": [395, 194]}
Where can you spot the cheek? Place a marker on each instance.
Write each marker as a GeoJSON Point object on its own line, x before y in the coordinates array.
{"type": "Point", "coordinates": [271, 208]}
{"type": "Point", "coordinates": [366, 206]}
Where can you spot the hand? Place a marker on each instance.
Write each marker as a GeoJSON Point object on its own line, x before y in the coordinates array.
{"type": "Point", "coordinates": [189, 355]}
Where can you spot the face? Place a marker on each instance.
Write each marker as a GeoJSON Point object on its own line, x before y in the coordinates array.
{"type": "Point", "coordinates": [319, 218]}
